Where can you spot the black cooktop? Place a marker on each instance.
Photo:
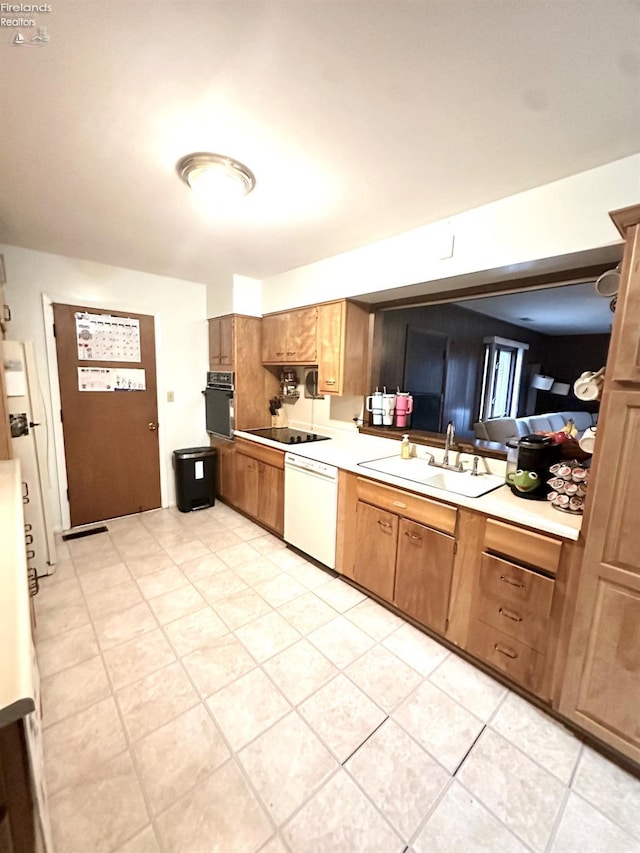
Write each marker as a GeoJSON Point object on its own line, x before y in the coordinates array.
{"type": "Point", "coordinates": [288, 436]}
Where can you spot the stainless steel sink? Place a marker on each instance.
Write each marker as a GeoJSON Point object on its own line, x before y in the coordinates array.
{"type": "Point", "coordinates": [420, 471]}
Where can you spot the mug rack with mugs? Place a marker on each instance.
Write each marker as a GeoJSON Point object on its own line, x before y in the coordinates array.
{"type": "Point", "coordinates": [390, 409]}
{"type": "Point", "coordinates": [588, 386]}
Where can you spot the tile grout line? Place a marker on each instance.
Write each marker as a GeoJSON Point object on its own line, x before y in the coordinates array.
{"type": "Point", "coordinates": [127, 738]}
{"type": "Point", "coordinates": [202, 700]}
{"type": "Point", "coordinates": [502, 823]}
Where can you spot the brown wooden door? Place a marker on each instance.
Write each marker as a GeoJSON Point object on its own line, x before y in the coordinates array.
{"type": "Point", "coordinates": [110, 437]}
{"type": "Point", "coordinates": [423, 573]}
{"type": "Point", "coordinates": [376, 540]}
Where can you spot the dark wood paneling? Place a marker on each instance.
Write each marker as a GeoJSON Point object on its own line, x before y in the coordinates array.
{"type": "Point", "coordinates": [564, 358]}
{"type": "Point", "coordinates": [465, 330]}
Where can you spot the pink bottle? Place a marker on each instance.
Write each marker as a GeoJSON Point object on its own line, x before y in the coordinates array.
{"type": "Point", "coordinates": [404, 407]}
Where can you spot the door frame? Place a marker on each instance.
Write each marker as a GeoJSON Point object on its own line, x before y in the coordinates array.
{"type": "Point", "coordinates": [56, 405]}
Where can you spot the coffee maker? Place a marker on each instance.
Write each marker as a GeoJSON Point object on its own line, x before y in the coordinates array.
{"type": "Point", "coordinates": [536, 454]}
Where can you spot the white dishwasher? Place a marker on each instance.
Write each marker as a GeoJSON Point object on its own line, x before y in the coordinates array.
{"type": "Point", "coordinates": [311, 507]}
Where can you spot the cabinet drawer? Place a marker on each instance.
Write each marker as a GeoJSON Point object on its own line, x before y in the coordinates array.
{"type": "Point", "coordinates": [525, 627]}
{"type": "Point", "coordinates": [429, 512]}
{"type": "Point", "coordinates": [528, 547]}
{"type": "Point", "coordinates": [519, 662]}
{"type": "Point", "coordinates": [269, 455]}
{"type": "Point", "coordinates": [514, 587]}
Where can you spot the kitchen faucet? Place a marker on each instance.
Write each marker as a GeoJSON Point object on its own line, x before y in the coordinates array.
{"type": "Point", "coordinates": [451, 432]}
{"type": "Point", "coordinates": [448, 441]}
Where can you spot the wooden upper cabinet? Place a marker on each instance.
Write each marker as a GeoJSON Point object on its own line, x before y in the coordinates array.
{"type": "Point", "coordinates": [221, 343]}
{"type": "Point", "coordinates": [302, 332]}
{"type": "Point", "coordinates": [601, 690]}
{"type": "Point", "coordinates": [274, 338]}
{"type": "Point", "coordinates": [624, 350]}
{"type": "Point", "coordinates": [343, 348]}
{"type": "Point", "coordinates": [289, 337]}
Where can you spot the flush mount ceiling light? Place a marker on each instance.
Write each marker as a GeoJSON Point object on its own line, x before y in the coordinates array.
{"type": "Point", "coordinates": [216, 177]}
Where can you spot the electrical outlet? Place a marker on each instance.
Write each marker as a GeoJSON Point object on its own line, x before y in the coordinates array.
{"type": "Point", "coordinates": [170, 397]}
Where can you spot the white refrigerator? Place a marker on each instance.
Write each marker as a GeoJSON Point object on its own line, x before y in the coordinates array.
{"type": "Point", "coordinates": [29, 438]}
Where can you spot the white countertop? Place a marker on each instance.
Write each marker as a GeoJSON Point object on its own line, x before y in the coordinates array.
{"type": "Point", "coordinates": [346, 449]}
{"type": "Point", "coordinates": [16, 647]}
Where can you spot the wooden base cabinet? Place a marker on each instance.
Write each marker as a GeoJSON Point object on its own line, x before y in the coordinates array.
{"type": "Point", "coordinates": [225, 476]}
{"type": "Point", "coordinates": [376, 545]}
{"type": "Point", "coordinates": [401, 559]}
{"type": "Point", "coordinates": [601, 690]}
{"type": "Point", "coordinates": [424, 569]}
{"type": "Point", "coordinates": [259, 483]}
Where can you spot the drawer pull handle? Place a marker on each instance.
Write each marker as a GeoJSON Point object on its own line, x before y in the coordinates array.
{"type": "Point", "coordinates": [504, 650]}
{"type": "Point", "coordinates": [515, 617]}
{"type": "Point", "coordinates": [400, 504]}
{"type": "Point", "coordinates": [413, 536]}
{"type": "Point", "coordinates": [511, 582]}
{"type": "Point", "coordinates": [329, 381]}
{"type": "Point", "coordinates": [384, 524]}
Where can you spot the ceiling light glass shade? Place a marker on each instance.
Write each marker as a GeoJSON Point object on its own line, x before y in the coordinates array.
{"type": "Point", "coordinates": [216, 177]}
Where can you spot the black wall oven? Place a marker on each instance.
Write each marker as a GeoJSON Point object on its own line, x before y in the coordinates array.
{"type": "Point", "coordinates": [219, 397]}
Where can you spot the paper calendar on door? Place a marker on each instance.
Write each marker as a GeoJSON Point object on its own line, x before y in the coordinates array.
{"type": "Point", "coordinates": [102, 337]}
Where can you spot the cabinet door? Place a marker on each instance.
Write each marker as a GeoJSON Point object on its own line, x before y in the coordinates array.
{"type": "Point", "coordinates": [423, 574]}
{"type": "Point", "coordinates": [274, 338]}
{"type": "Point", "coordinates": [601, 691]}
{"type": "Point", "coordinates": [226, 342]}
{"type": "Point", "coordinates": [246, 484]}
{"type": "Point", "coordinates": [271, 496]}
{"type": "Point", "coordinates": [330, 347]}
{"type": "Point", "coordinates": [624, 351]}
{"type": "Point", "coordinates": [376, 542]}
{"type": "Point", "coordinates": [302, 336]}
{"type": "Point", "coordinates": [214, 343]}
{"type": "Point", "coordinates": [225, 473]}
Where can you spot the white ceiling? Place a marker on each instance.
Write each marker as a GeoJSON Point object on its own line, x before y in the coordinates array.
{"type": "Point", "coordinates": [569, 310]}
{"type": "Point", "coordinates": [360, 120]}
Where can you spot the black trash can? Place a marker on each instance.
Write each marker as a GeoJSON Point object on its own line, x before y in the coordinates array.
{"type": "Point", "coordinates": [195, 471]}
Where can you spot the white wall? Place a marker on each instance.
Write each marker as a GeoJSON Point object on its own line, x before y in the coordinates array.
{"type": "Point", "coordinates": [220, 298]}
{"type": "Point", "coordinates": [247, 296]}
{"type": "Point", "coordinates": [239, 295]}
{"type": "Point", "coordinates": [557, 219]}
{"type": "Point", "coordinates": [181, 337]}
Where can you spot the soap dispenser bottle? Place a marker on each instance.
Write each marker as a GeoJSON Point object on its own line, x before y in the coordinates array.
{"type": "Point", "coordinates": [405, 448]}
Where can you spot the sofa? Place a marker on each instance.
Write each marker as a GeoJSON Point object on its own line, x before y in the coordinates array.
{"type": "Point", "coordinates": [504, 429]}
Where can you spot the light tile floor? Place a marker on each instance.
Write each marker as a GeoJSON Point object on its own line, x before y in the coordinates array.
{"type": "Point", "coordinates": [207, 689]}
